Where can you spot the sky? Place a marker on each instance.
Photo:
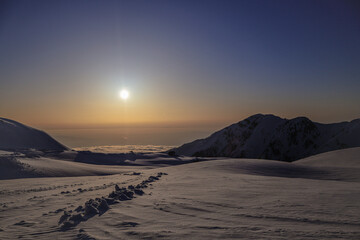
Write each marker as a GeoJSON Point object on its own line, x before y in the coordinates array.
{"type": "Point", "coordinates": [194, 65]}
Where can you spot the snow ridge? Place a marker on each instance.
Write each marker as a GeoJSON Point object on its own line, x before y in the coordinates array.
{"type": "Point", "coordinates": [17, 136]}
{"type": "Point", "coordinates": [272, 137]}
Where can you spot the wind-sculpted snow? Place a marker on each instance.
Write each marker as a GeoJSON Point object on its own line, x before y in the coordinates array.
{"type": "Point", "coordinates": [349, 158]}
{"type": "Point", "coordinates": [16, 136]}
{"type": "Point", "coordinates": [99, 206]}
{"type": "Point", "coordinates": [215, 199]}
{"type": "Point", "coordinates": [10, 166]}
{"type": "Point", "coordinates": [271, 137]}
{"type": "Point", "coordinates": [31, 163]}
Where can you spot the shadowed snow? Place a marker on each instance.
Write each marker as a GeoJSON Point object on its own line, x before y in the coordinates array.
{"type": "Point", "coordinates": [16, 136]}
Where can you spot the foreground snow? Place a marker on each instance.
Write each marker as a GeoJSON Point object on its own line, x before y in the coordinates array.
{"type": "Point", "coordinates": [218, 199]}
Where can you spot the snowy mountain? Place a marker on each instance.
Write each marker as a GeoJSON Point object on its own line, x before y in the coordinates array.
{"type": "Point", "coordinates": [16, 136]}
{"type": "Point", "coordinates": [272, 137]}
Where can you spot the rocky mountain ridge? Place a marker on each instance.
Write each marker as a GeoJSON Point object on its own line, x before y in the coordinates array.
{"type": "Point", "coordinates": [272, 137]}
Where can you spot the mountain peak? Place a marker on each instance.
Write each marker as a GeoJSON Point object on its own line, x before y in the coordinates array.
{"type": "Point", "coordinates": [259, 116]}
{"type": "Point", "coordinates": [271, 137]}
{"type": "Point", "coordinates": [17, 136]}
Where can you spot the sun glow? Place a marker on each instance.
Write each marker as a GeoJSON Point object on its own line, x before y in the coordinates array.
{"type": "Point", "coordinates": [124, 94]}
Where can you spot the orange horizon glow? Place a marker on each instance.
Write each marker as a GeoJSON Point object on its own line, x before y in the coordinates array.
{"type": "Point", "coordinates": [63, 65]}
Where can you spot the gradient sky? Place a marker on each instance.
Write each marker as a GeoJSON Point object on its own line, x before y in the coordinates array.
{"type": "Point", "coordinates": [185, 63]}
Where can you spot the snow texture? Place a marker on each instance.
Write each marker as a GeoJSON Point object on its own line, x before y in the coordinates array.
{"type": "Point", "coordinates": [214, 199]}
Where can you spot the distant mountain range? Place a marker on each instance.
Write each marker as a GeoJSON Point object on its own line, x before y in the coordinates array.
{"type": "Point", "coordinates": [17, 136]}
{"type": "Point", "coordinates": [259, 136]}
{"type": "Point", "coordinates": [272, 137]}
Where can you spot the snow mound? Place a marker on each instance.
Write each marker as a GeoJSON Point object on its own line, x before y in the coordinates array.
{"type": "Point", "coordinates": [32, 163]}
{"type": "Point", "coordinates": [271, 137]}
{"type": "Point", "coordinates": [349, 158]}
{"type": "Point", "coordinates": [16, 136]}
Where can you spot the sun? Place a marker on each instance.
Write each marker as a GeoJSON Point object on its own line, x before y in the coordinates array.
{"type": "Point", "coordinates": [124, 94]}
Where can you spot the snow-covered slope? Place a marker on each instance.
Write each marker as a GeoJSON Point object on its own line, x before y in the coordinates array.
{"type": "Point", "coordinates": [272, 137]}
{"type": "Point", "coordinates": [341, 158]}
{"type": "Point", "coordinates": [218, 199]}
{"type": "Point", "coordinates": [16, 136]}
{"type": "Point", "coordinates": [33, 163]}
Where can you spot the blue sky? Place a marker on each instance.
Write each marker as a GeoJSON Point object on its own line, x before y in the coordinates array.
{"type": "Point", "coordinates": [184, 62]}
